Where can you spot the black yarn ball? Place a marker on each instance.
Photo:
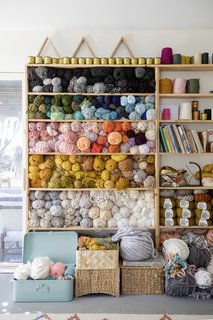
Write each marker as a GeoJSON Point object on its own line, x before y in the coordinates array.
{"type": "Point", "coordinates": [107, 100]}
{"type": "Point", "coordinates": [119, 74]}
{"type": "Point", "coordinates": [110, 88]}
{"type": "Point", "coordinates": [122, 83]}
{"type": "Point", "coordinates": [130, 73]}
{"type": "Point", "coordinates": [109, 79]}
{"type": "Point", "coordinates": [31, 74]}
{"type": "Point", "coordinates": [47, 88]}
{"type": "Point", "coordinates": [199, 257]}
{"type": "Point", "coordinates": [60, 72]}
{"type": "Point", "coordinates": [130, 133]}
{"type": "Point", "coordinates": [51, 73]}
{"type": "Point", "coordinates": [94, 80]}
{"type": "Point", "coordinates": [68, 74]}
{"type": "Point", "coordinates": [101, 72]}
{"type": "Point", "coordinates": [86, 73]}
{"type": "Point", "coordinates": [77, 72]}
{"type": "Point", "coordinates": [140, 72]}
{"type": "Point", "coordinates": [140, 138]}
{"type": "Point", "coordinates": [36, 82]}
{"type": "Point", "coordinates": [112, 106]}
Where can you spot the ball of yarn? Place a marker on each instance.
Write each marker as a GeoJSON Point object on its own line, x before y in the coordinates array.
{"type": "Point", "coordinates": [114, 138]}
{"type": "Point", "coordinates": [40, 268]}
{"type": "Point", "coordinates": [99, 223]}
{"type": "Point", "coordinates": [22, 272]}
{"type": "Point", "coordinates": [94, 212]}
{"type": "Point", "coordinates": [135, 245]}
{"type": "Point", "coordinates": [149, 182]}
{"type": "Point", "coordinates": [83, 143]}
{"type": "Point", "coordinates": [203, 278]}
{"type": "Point", "coordinates": [199, 257]}
{"type": "Point", "coordinates": [143, 149]}
{"type": "Point", "coordinates": [42, 147]}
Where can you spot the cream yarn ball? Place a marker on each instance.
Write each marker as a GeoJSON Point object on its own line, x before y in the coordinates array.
{"type": "Point", "coordinates": [105, 214]}
{"type": "Point", "coordinates": [99, 223]}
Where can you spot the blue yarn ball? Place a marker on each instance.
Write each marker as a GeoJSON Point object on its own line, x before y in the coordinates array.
{"type": "Point", "coordinates": [130, 107]}
{"type": "Point", "coordinates": [149, 105]}
{"type": "Point", "coordinates": [100, 99]}
{"type": "Point", "coordinates": [47, 100]}
{"type": "Point", "coordinates": [77, 115]}
{"type": "Point", "coordinates": [48, 114]}
{"type": "Point", "coordinates": [143, 117]}
{"type": "Point", "coordinates": [131, 99]}
{"type": "Point", "coordinates": [107, 100]}
{"type": "Point", "coordinates": [113, 115]}
{"type": "Point", "coordinates": [134, 116]}
{"type": "Point", "coordinates": [105, 116]}
{"type": "Point", "coordinates": [150, 99]}
{"type": "Point", "coordinates": [137, 99]}
{"type": "Point", "coordinates": [116, 100]}
{"type": "Point", "coordinates": [140, 108]}
{"type": "Point", "coordinates": [123, 101]}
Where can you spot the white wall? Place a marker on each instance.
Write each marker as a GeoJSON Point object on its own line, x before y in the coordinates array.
{"type": "Point", "coordinates": [17, 45]}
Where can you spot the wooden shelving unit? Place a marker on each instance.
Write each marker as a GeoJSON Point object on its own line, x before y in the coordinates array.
{"type": "Point", "coordinates": [159, 69]}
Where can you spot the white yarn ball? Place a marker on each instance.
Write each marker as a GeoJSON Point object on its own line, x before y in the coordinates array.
{"type": "Point", "coordinates": [56, 211]}
{"type": "Point", "coordinates": [105, 214]}
{"type": "Point", "coordinates": [66, 203]}
{"type": "Point", "coordinates": [134, 194]}
{"type": "Point", "coordinates": [40, 267]}
{"type": "Point", "coordinates": [123, 223]}
{"type": "Point", "coordinates": [105, 204]}
{"type": "Point", "coordinates": [142, 126]}
{"type": "Point", "coordinates": [143, 165]}
{"type": "Point", "coordinates": [71, 195]}
{"type": "Point", "coordinates": [131, 203]}
{"type": "Point", "coordinates": [112, 223]}
{"type": "Point", "coordinates": [141, 203]}
{"type": "Point", "coordinates": [23, 271]}
{"type": "Point", "coordinates": [134, 150]}
{"type": "Point", "coordinates": [144, 148]}
{"type": "Point", "coordinates": [75, 203]}
{"type": "Point", "coordinates": [115, 210]}
{"type": "Point", "coordinates": [63, 195]}
{"type": "Point", "coordinates": [48, 204]}
{"type": "Point", "coordinates": [125, 212]}
{"type": "Point", "coordinates": [150, 134]}
{"type": "Point", "coordinates": [99, 223]}
{"type": "Point", "coordinates": [203, 278]}
{"type": "Point", "coordinates": [118, 216]}
{"type": "Point", "coordinates": [133, 222]}
{"type": "Point", "coordinates": [39, 194]}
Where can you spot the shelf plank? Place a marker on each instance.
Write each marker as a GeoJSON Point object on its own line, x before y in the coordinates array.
{"type": "Point", "coordinates": [186, 121]}
{"type": "Point", "coordinates": [89, 94]}
{"type": "Point", "coordinates": [79, 228]}
{"type": "Point", "coordinates": [185, 154]}
{"type": "Point", "coordinates": [185, 67]}
{"type": "Point", "coordinates": [192, 227]}
{"type": "Point", "coordinates": [92, 154]}
{"type": "Point", "coordinates": [94, 120]}
{"type": "Point", "coordinates": [186, 95]}
{"type": "Point", "coordinates": [90, 189]}
{"type": "Point", "coordinates": [187, 188]}
{"type": "Point", "coordinates": [71, 66]}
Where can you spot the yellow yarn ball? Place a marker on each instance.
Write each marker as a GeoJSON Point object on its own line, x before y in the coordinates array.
{"type": "Point", "coordinates": [64, 157]}
{"type": "Point", "coordinates": [76, 167]}
{"type": "Point", "coordinates": [58, 161]}
{"type": "Point", "coordinates": [98, 164]}
{"type": "Point", "coordinates": [66, 165]}
{"type": "Point", "coordinates": [118, 157]}
{"type": "Point", "coordinates": [109, 184]}
{"type": "Point", "coordinates": [105, 175]}
{"type": "Point", "coordinates": [33, 169]}
{"type": "Point", "coordinates": [79, 175]}
{"type": "Point", "coordinates": [91, 174]}
{"type": "Point", "coordinates": [100, 183]}
{"type": "Point", "coordinates": [34, 176]}
{"type": "Point", "coordinates": [150, 159]}
{"type": "Point", "coordinates": [45, 174]}
{"type": "Point", "coordinates": [122, 183]}
{"type": "Point", "coordinates": [36, 159]}
{"type": "Point", "coordinates": [111, 165]}
{"type": "Point", "coordinates": [73, 158]}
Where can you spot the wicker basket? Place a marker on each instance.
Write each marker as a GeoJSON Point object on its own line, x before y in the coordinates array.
{"type": "Point", "coordinates": [97, 281]}
{"type": "Point", "coordinates": [142, 280]}
{"type": "Point", "coordinates": [97, 259]}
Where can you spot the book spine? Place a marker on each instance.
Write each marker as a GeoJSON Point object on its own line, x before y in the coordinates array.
{"type": "Point", "coordinates": [163, 140]}
{"type": "Point", "coordinates": [186, 140]}
{"type": "Point", "coordinates": [174, 142]}
{"type": "Point", "coordinates": [168, 139]}
{"type": "Point", "coordinates": [178, 138]}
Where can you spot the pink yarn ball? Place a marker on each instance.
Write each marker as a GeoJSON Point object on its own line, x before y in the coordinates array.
{"type": "Point", "coordinates": [42, 147]}
{"type": "Point", "coordinates": [65, 127]}
{"type": "Point", "coordinates": [41, 126]}
{"type": "Point", "coordinates": [32, 126]}
{"type": "Point", "coordinates": [67, 148]}
{"type": "Point", "coordinates": [76, 126]}
{"type": "Point", "coordinates": [34, 135]}
{"type": "Point", "coordinates": [70, 137]}
{"type": "Point", "coordinates": [151, 144]}
{"type": "Point", "coordinates": [57, 269]}
{"type": "Point", "coordinates": [51, 144]}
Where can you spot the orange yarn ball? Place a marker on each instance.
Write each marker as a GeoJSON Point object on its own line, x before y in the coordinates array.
{"type": "Point", "coordinates": [125, 139]}
{"type": "Point", "coordinates": [126, 126]}
{"type": "Point", "coordinates": [115, 148]}
{"type": "Point", "coordinates": [108, 126]}
{"type": "Point", "coordinates": [118, 126]}
{"type": "Point", "coordinates": [102, 140]}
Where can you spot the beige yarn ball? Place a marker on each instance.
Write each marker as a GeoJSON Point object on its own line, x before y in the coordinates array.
{"type": "Point", "coordinates": [94, 212]}
{"type": "Point", "coordinates": [149, 182]}
{"type": "Point", "coordinates": [105, 204]}
{"type": "Point", "coordinates": [112, 223]}
{"type": "Point", "coordinates": [99, 223]}
{"type": "Point", "coordinates": [143, 165]}
{"type": "Point", "coordinates": [105, 214]}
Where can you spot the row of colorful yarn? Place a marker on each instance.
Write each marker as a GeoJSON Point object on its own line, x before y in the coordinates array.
{"type": "Point", "coordinates": [186, 208]}
{"type": "Point", "coordinates": [92, 80]}
{"type": "Point", "coordinates": [106, 137]}
{"type": "Point", "coordinates": [75, 171]}
{"type": "Point", "coordinates": [179, 85]}
{"type": "Point", "coordinates": [80, 107]}
{"type": "Point", "coordinates": [98, 209]}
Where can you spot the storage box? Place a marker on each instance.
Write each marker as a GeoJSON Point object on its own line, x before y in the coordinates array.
{"type": "Point", "coordinates": [97, 281]}
{"type": "Point", "coordinates": [142, 280]}
{"type": "Point", "coordinates": [97, 259]}
{"type": "Point", "coordinates": [58, 246]}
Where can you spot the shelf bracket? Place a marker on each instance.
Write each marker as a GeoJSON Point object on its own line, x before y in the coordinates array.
{"type": "Point", "coordinates": [44, 43]}
{"type": "Point", "coordinates": [83, 40]}
{"type": "Point", "coordinates": [122, 40]}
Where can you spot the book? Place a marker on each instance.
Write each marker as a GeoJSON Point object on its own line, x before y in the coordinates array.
{"type": "Point", "coordinates": [168, 139]}
{"type": "Point", "coordinates": [178, 138]}
{"type": "Point", "coordinates": [197, 140]}
{"type": "Point", "coordinates": [174, 139]}
{"type": "Point", "coordinates": [163, 141]}
{"type": "Point", "coordinates": [191, 141]}
{"type": "Point", "coordinates": [186, 139]}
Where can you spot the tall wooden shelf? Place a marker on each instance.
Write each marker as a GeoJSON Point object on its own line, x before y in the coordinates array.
{"type": "Point", "coordinates": [159, 69]}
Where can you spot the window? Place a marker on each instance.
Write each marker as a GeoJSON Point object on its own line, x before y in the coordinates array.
{"type": "Point", "coordinates": [11, 169]}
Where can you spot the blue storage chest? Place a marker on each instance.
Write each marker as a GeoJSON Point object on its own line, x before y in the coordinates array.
{"type": "Point", "coordinates": [58, 246]}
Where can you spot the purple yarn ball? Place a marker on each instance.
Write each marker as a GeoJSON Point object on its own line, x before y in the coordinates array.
{"type": "Point", "coordinates": [140, 138]}
{"type": "Point", "coordinates": [131, 141]}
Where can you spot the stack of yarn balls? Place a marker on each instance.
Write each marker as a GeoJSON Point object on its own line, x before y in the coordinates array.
{"type": "Point", "coordinates": [92, 80]}
{"type": "Point", "coordinates": [77, 171]}
{"type": "Point", "coordinates": [186, 208]}
{"type": "Point", "coordinates": [79, 107]}
{"type": "Point", "coordinates": [207, 175]}
{"type": "Point", "coordinates": [98, 209]}
{"type": "Point", "coordinates": [106, 137]}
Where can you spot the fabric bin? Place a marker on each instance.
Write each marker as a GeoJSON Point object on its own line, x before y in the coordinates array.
{"type": "Point", "coordinates": [58, 246]}
{"type": "Point", "coordinates": [97, 259]}
{"type": "Point", "coordinates": [97, 281]}
{"type": "Point", "coordinates": [142, 280]}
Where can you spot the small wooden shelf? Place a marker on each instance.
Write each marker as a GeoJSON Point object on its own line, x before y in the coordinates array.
{"type": "Point", "coordinates": [185, 154]}
{"type": "Point", "coordinates": [91, 154]}
{"type": "Point", "coordinates": [186, 67]}
{"type": "Point", "coordinates": [186, 121]}
{"type": "Point", "coordinates": [72, 66]}
{"type": "Point", "coordinates": [95, 120]}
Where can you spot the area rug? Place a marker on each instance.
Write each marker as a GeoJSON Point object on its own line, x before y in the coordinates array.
{"type": "Point", "coordinates": [93, 316]}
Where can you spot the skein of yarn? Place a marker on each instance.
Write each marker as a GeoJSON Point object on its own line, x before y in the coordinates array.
{"type": "Point", "coordinates": [185, 112]}
{"type": "Point", "coordinates": [199, 257]}
{"type": "Point", "coordinates": [135, 245]}
{"type": "Point", "coordinates": [166, 55]}
{"type": "Point", "coordinates": [179, 85]}
{"type": "Point", "coordinates": [165, 85]}
{"type": "Point", "coordinates": [193, 86]}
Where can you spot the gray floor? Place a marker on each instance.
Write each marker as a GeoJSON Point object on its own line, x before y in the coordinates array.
{"type": "Point", "coordinates": [158, 304]}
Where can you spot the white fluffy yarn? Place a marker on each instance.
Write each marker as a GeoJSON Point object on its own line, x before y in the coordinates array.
{"type": "Point", "coordinates": [112, 223]}
{"type": "Point", "coordinates": [135, 245]}
{"type": "Point", "coordinates": [40, 267]}
{"type": "Point", "coordinates": [203, 278]}
{"type": "Point", "coordinates": [22, 272]}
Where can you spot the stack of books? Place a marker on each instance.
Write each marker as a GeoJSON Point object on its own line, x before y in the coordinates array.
{"type": "Point", "coordinates": [177, 139]}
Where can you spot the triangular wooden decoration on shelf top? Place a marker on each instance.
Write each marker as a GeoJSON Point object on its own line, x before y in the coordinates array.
{"type": "Point", "coordinates": [122, 40]}
{"type": "Point", "coordinates": [44, 43]}
{"type": "Point", "coordinates": [83, 40]}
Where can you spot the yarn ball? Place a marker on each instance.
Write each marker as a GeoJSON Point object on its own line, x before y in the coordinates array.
{"type": "Point", "coordinates": [149, 182]}
{"type": "Point", "coordinates": [143, 149]}
{"type": "Point", "coordinates": [57, 269]}
{"type": "Point", "coordinates": [140, 72]}
{"type": "Point", "coordinates": [123, 101]}
{"type": "Point", "coordinates": [99, 223]}
{"type": "Point", "coordinates": [83, 143]}
{"type": "Point", "coordinates": [40, 268]}
{"type": "Point", "coordinates": [203, 278]}
{"type": "Point", "coordinates": [105, 214]}
{"type": "Point", "coordinates": [42, 147]}
{"type": "Point", "coordinates": [140, 176]}
{"type": "Point", "coordinates": [150, 134]}
{"type": "Point", "coordinates": [94, 212]}
{"type": "Point", "coordinates": [151, 114]}
{"type": "Point", "coordinates": [114, 138]}
{"type": "Point", "coordinates": [199, 257]}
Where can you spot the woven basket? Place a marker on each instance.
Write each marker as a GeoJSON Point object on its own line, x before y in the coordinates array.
{"type": "Point", "coordinates": [97, 281]}
{"type": "Point", "coordinates": [142, 280]}
{"type": "Point", "coordinates": [97, 259]}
